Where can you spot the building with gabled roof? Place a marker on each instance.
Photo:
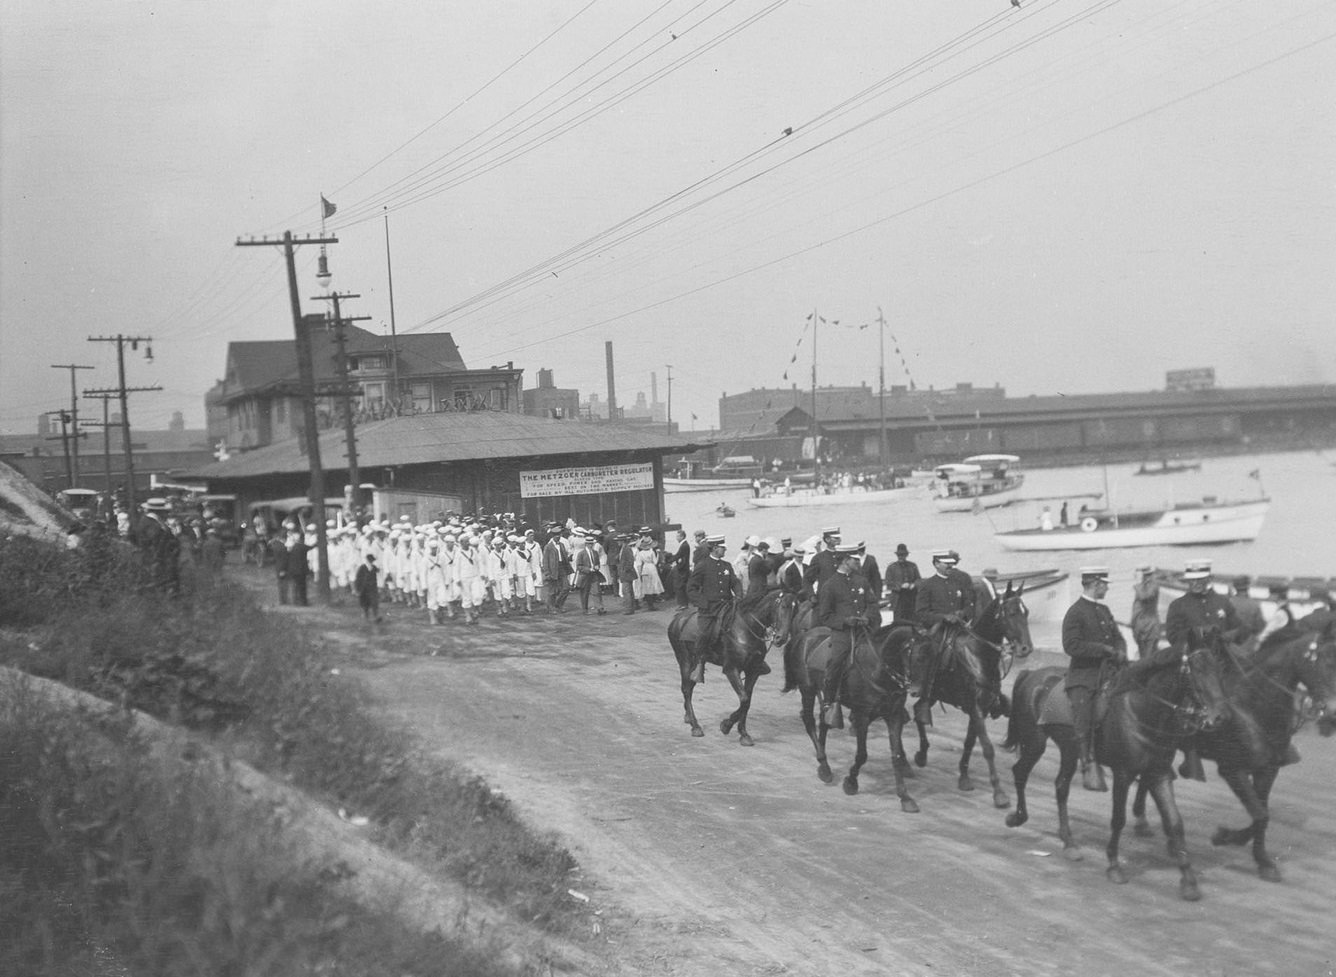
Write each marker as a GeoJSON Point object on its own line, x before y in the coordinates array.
{"type": "Point", "coordinates": [258, 401]}
{"type": "Point", "coordinates": [493, 461]}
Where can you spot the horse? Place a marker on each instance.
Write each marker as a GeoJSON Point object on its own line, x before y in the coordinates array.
{"type": "Point", "coordinates": [1147, 715]}
{"type": "Point", "coordinates": [876, 684]}
{"type": "Point", "coordinates": [750, 629]}
{"type": "Point", "coordinates": [970, 678]}
{"type": "Point", "coordinates": [1249, 746]}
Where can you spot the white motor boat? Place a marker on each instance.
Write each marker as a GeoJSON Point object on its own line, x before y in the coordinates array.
{"type": "Point", "coordinates": [1189, 524]}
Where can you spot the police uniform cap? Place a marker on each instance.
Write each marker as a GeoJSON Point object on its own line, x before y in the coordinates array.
{"type": "Point", "coordinates": [943, 556]}
{"type": "Point", "coordinates": [786, 542]}
{"type": "Point", "coordinates": [831, 531]}
{"type": "Point", "coordinates": [1197, 570]}
{"type": "Point", "coordinates": [850, 550]}
{"type": "Point", "coordinates": [1094, 573]}
{"type": "Point", "coordinates": [715, 540]}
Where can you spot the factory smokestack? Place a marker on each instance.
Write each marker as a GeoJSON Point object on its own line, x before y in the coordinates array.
{"type": "Point", "coordinates": [612, 384]}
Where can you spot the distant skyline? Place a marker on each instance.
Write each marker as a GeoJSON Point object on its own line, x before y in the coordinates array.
{"type": "Point", "coordinates": [1066, 197]}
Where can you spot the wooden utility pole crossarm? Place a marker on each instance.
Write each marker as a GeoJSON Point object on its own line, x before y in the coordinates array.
{"type": "Point", "coordinates": [306, 372]}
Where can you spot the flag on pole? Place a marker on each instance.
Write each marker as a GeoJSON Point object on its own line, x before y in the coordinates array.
{"type": "Point", "coordinates": [326, 208]}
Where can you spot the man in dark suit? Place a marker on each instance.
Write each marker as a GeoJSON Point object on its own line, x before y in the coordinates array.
{"type": "Point", "coordinates": [681, 568]}
{"type": "Point", "coordinates": [297, 568]}
{"type": "Point", "coordinates": [278, 552]}
{"type": "Point", "coordinates": [556, 569]}
{"type": "Point", "coordinates": [871, 573]}
{"type": "Point", "coordinates": [823, 563]}
{"type": "Point", "coordinates": [902, 580]}
{"type": "Point", "coordinates": [1091, 638]}
{"type": "Point", "coordinates": [626, 574]}
{"type": "Point", "coordinates": [701, 551]}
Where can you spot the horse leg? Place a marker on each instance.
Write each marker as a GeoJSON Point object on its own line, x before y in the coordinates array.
{"type": "Point", "coordinates": [744, 706]}
{"type": "Point", "coordinates": [1162, 789]}
{"type": "Point", "coordinates": [1247, 788]}
{"type": "Point", "coordinates": [1029, 750]}
{"type": "Point", "coordinates": [979, 728]}
{"type": "Point", "coordinates": [742, 689]}
{"type": "Point", "coordinates": [859, 720]}
{"type": "Point", "coordinates": [818, 742]}
{"type": "Point", "coordinates": [689, 687]}
{"type": "Point", "coordinates": [1140, 826]}
{"type": "Point", "coordinates": [895, 726]}
{"type": "Point", "coordinates": [921, 757]}
{"type": "Point", "coordinates": [1069, 753]}
{"type": "Point", "coordinates": [966, 751]}
{"type": "Point", "coordinates": [1121, 782]}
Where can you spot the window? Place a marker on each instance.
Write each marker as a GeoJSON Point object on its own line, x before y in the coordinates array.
{"type": "Point", "coordinates": [280, 410]}
{"type": "Point", "coordinates": [421, 394]}
{"type": "Point", "coordinates": [373, 395]}
{"type": "Point", "coordinates": [371, 362]}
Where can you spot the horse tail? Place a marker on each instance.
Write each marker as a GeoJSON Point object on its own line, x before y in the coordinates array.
{"type": "Point", "coordinates": [1014, 731]}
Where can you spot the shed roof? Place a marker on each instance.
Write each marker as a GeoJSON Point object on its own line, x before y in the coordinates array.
{"type": "Point", "coordinates": [446, 437]}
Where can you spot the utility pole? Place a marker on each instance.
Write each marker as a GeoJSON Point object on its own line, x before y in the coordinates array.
{"type": "Point", "coordinates": [306, 374]}
{"type": "Point", "coordinates": [106, 437]}
{"type": "Point", "coordinates": [64, 439]}
{"type": "Point", "coordinates": [670, 400]}
{"type": "Point", "coordinates": [123, 393]}
{"type": "Point", "coordinates": [816, 450]}
{"type": "Point", "coordinates": [74, 416]}
{"type": "Point", "coordinates": [349, 432]}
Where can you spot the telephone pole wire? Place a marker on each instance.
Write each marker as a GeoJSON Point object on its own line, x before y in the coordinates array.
{"type": "Point", "coordinates": [306, 377]}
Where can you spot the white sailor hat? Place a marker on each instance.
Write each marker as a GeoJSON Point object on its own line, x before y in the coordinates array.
{"type": "Point", "coordinates": [1094, 573]}
{"type": "Point", "coordinates": [448, 537]}
{"type": "Point", "coordinates": [1197, 570]}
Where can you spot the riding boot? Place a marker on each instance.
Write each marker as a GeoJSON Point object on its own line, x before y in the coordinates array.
{"type": "Point", "coordinates": [1092, 776]}
{"type": "Point", "coordinates": [1191, 767]}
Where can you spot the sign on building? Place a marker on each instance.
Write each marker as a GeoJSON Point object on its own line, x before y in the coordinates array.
{"type": "Point", "coordinates": [590, 480]}
{"type": "Point", "coordinates": [1177, 381]}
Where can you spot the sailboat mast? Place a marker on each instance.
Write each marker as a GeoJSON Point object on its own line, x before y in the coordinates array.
{"type": "Point", "coordinates": [816, 453]}
{"type": "Point", "coordinates": [881, 387]}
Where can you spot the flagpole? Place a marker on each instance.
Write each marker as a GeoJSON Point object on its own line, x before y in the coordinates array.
{"type": "Point", "coordinates": [394, 335]}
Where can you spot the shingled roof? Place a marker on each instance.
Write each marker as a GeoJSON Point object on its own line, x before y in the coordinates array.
{"type": "Point", "coordinates": [451, 437]}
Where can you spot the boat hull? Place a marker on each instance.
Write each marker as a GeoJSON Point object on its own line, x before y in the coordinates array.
{"type": "Point", "coordinates": [704, 484]}
{"type": "Point", "coordinates": [1187, 526]}
{"type": "Point", "coordinates": [987, 500]}
{"type": "Point", "coordinates": [799, 500]}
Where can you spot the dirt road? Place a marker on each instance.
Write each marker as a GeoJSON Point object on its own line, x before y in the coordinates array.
{"type": "Point", "coordinates": [707, 858]}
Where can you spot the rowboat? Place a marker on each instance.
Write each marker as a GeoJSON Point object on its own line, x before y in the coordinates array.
{"type": "Point", "coordinates": [1188, 524]}
{"type": "Point", "coordinates": [979, 482]}
{"type": "Point", "coordinates": [800, 498]}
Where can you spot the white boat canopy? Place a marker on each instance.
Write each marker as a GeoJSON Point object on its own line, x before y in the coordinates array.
{"type": "Point", "coordinates": [992, 460]}
{"type": "Point", "coordinates": [951, 471]}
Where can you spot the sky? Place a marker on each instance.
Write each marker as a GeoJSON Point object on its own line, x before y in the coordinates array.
{"type": "Point", "coordinates": [1073, 196]}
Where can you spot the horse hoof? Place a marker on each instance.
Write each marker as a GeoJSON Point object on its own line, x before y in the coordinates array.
{"type": "Point", "coordinates": [697, 731]}
{"type": "Point", "coordinates": [824, 775]}
{"type": "Point", "coordinates": [725, 727]}
{"type": "Point", "coordinates": [1015, 819]}
{"type": "Point", "coordinates": [965, 783]}
{"type": "Point", "coordinates": [921, 758]}
{"type": "Point", "coordinates": [908, 805]}
{"type": "Point", "coordinates": [1189, 891]}
{"type": "Point", "coordinates": [1074, 854]}
{"type": "Point", "coordinates": [746, 740]}
{"type": "Point", "coordinates": [1268, 873]}
{"type": "Point", "coordinates": [850, 786]}
{"type": "Point", "coordinates": [1116, 875]}
{"type": "Point", "coordinates": [1000, 800]}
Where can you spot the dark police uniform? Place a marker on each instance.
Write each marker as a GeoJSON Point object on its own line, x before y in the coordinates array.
{"type": "Point", "coordinates": [821, 569]}
{"type": "Point", "coordinates": [1201, 611]}
{"type": "Point", "coordinates": [940, 597]}
{"type": "Point", "coordinates": [791, 579]}
{"type": "Point", "coordinates": [713, 584]}
{"type": "Point", "coordinates": [841, 604]}
{"type": "Point", "coordinates": [1090, 637]}
{"type": "Point", "coordinates": [867, 569]}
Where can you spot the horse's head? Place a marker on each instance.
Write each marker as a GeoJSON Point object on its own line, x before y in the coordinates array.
{"type": "Point", "coordinates": [1014, 618]}
{"type": "Point", "coordinates": [780, 623]}
{"type": "Point", "coordinates": [1205, 702]}
{"type": "Point", "coordinates": [1316, 667]}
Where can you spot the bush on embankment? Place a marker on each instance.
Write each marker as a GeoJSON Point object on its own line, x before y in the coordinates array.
{"type": "Point", "coordinates": [210, 660]}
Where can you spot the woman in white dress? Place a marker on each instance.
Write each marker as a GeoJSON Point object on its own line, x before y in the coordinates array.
{"type": "Point", "coordinates": [647, 584]}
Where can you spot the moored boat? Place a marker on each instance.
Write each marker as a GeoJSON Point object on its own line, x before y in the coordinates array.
{"type": "Point", "coordinates": [1167, 467]}
{"type": "Point", "coordinates": [979, 482]}
{"type": "Point", "coordinates": [804, 497]}
{"type": "Point", "coordinates": [1189, 524]}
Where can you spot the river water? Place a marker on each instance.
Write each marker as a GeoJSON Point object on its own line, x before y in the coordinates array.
{"type": "Point", "coordinates": [1297, 539]}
